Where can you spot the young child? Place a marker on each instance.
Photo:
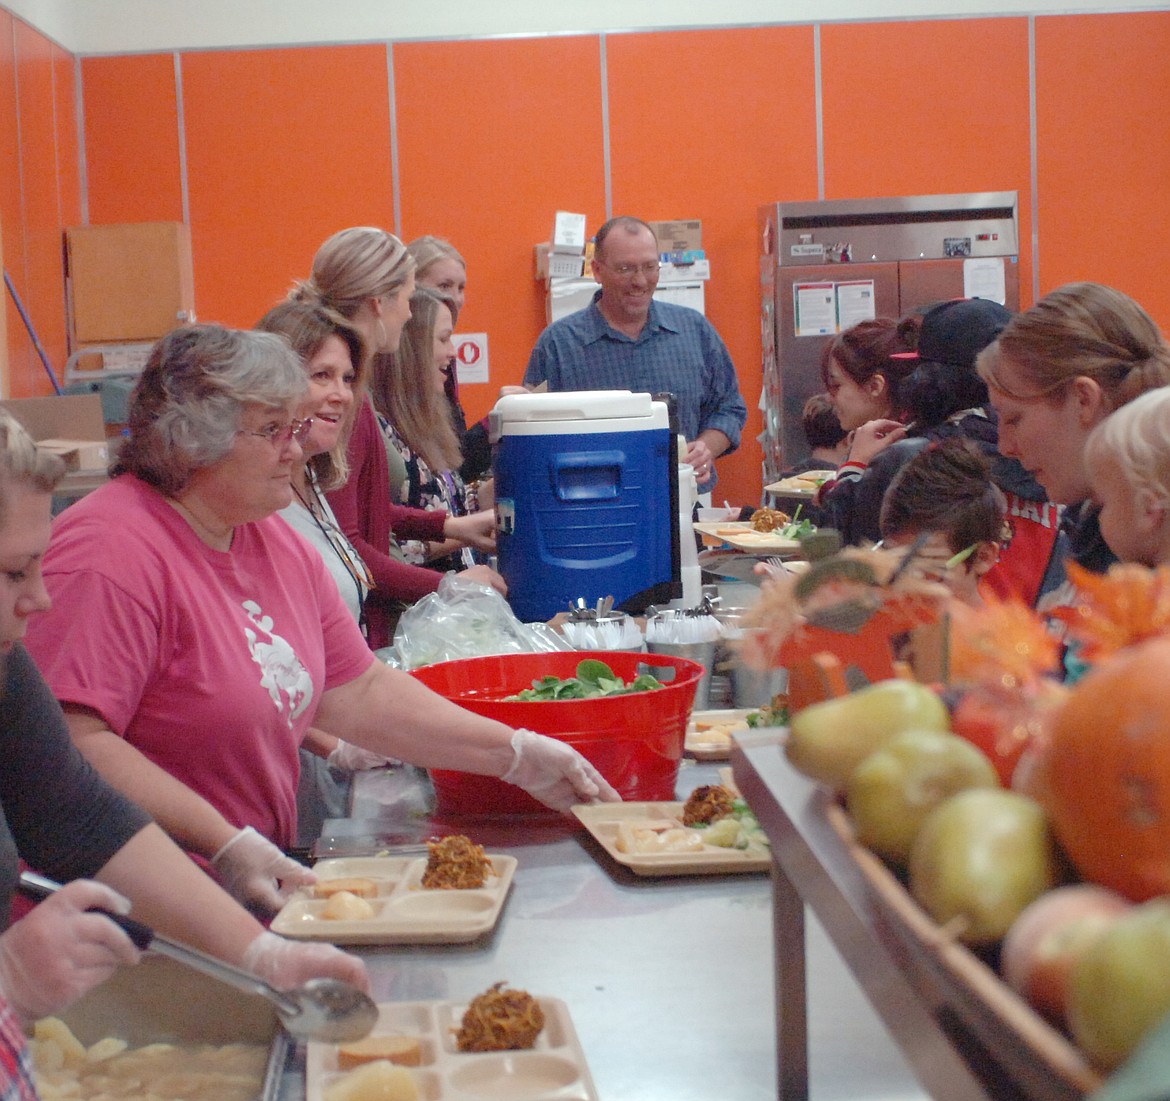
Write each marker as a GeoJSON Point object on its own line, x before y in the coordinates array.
{"type": "Point", "coordinates": [1127, 459]}
{"type": "Point", "coordinates": [945, 494]}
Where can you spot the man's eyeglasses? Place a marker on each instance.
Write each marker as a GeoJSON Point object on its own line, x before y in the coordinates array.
{"type": "Point", "coordinates": [626, 270]}
{"type": "Point", "coordinates": [279, 434]}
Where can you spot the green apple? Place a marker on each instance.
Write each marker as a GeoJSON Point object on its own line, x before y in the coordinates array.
{"type": "Point", "coordinates": [893, 790]}
{"type": "Point", "coordinates": [1120, 985]}
{"type": "Point", "coordinates": [980, 857]}
{"type": "Point", "coordinates": [828, 740]}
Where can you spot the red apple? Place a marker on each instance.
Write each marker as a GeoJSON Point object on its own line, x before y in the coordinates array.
{"type": "Point", "coordinates": [1046, 940]}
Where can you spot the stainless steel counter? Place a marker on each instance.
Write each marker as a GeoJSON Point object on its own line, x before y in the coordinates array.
{"type": "Point", "coordinates": [669, 981]}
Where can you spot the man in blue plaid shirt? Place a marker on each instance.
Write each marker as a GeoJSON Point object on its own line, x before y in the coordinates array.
{"type": "Point", "coordinates": [625, 340]}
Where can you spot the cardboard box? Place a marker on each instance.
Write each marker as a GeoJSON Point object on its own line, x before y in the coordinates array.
{"type": "Point", "coordinates": [693, 272]}
{"type": "Point", "coordinates": [568, 233]}
{"type": "Point", "coordinates": [557, 265]}
{"type": "Point", "coordinates": [686, 236]}
{"type": "Point", "coordinates": [67, 417]}
{"type": "Point", "coordinates": [128, 282]}
{"type": "Point", "coordinates": [78, 454]}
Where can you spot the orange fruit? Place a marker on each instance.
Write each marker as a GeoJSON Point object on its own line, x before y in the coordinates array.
{"type": "Point", "coordinates": [1104, 773]}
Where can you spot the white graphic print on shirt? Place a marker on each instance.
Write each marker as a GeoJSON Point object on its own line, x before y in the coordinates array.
{"type": "Point", "coordinates": [282, 674]}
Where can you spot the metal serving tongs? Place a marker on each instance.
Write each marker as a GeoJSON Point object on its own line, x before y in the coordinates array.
{"type": "Point", "coordinates": [320, 1009]}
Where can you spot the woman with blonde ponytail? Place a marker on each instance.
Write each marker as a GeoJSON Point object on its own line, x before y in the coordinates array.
{"type": "Point", "coordinates": [367, 276]}
{"type": "Point", "coordinates": [1056, 372]}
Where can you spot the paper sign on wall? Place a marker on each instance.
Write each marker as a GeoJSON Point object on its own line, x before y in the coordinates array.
{"type": "Point", "coordinates": [814, 308]}
{"type": "Point", "coordinates": [856, 302]}
{"type": "Point", "coordinates": [471, 357]}
{"type": "Point", "coordinates": [983, 277]}
{"type": "Point", "coordinates": [820, 309]}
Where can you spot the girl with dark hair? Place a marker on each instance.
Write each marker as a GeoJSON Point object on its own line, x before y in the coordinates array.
{"type": "Point", "coordinates": [943, 397]}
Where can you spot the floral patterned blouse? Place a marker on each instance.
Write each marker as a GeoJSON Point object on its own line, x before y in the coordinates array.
{"type": "Point", "coordinates": [429, 489]}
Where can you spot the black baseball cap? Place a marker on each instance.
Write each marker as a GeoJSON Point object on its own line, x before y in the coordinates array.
{"type": "Point", "coordinates": [955, 332]}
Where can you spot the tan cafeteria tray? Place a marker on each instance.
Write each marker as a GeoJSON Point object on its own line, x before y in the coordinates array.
{"type": "Point", "coordinates": [741, 535]}
{"type": "Point", "coordinates": [405, 911]}
{"type": "Point", "coordinates": [553, 1070]}
{"type": "Point", "coordinates": [601, 820]}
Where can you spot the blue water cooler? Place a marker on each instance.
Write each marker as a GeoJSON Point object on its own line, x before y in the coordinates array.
{"type": "Point", "coordinates": [586, 500]}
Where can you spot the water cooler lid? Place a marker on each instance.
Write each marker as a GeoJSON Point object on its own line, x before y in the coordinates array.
{"type": "Point", "coordinates": [577, 411]}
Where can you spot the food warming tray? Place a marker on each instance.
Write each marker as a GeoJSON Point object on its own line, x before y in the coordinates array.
{"type": "Point", "coordinates": [162, 1001]}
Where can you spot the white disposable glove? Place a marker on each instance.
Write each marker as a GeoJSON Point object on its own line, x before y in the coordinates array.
{"type": "Point", "coordinates": [555, 773]}
{"type": "Point", "coordinates": [58, 951]}
{"type": "Point", "coordinates": [255, 872]}
{"type": "Point", "coordinates": [352, 758]}
{"type": "Point", "coordinates": [285, 963]}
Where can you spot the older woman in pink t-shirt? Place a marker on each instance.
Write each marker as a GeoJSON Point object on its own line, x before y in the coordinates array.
{"type": "Point", "coordinates": [195, 637]}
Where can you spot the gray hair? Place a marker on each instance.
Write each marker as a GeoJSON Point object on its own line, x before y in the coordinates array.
{"type": "Point", "coordinates": [187, 408]}
{"type": "Point", "coordinates": [23, 464]}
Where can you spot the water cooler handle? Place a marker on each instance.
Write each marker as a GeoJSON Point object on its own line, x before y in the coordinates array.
{"type": "Point", "coordinates": [690, 571]}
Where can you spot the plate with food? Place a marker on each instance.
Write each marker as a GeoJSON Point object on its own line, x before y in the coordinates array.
{"type": "Point", "coordinates": [801, 485]}
{"type": "Point", "coordinates": [709, 733]}
{"type": "Point", "coordinates": [712, 833]}
{"type": "Point", "coordinates": [769, 530]}
{"type": "Point", "coordinates": [452, 895]}
{"type": "Point", "coordinates": [501, 1043]}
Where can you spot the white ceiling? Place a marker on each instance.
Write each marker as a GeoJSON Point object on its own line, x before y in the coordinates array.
{"type": "Point", "coordinates": [132, 26]}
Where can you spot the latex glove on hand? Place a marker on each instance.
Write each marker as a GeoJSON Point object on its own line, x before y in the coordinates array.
{"type": "Point", "coordinates": [347, 757]}
{"type": "Point", "coordinates": [60, 950]}
{"type": "Point", "coordinates": [555, 773]}
{"type": "Point", "coordinates": [286, 963]}
{"type": "Point", "coordinates": [256, 873]}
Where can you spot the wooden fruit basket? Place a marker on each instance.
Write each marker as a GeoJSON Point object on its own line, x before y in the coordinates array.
{"type": "Point", "coordinates": [992, 1010]}
{"type": "Point", "coordinates": [966, 1034]}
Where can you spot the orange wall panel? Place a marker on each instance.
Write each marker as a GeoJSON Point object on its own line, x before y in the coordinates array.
{"type": "Point", "coordinates": [935, 107]}
{"type": "Point", "coordinates": [1102, 87]}
{"type": "Point", "coordinates": [68, 154]}
{"type": "Point", "coordinates": [11, 206]}
{"type": "Point", "coordinates": [711, 125]}
{"type": "Point", "coordinates": [43, 291]}
{"type": "Point", "coordinates": [494, 137]}
{"type": "Point", "coordinates": [284, 147]}
{"type": "Point", "coordinates": [132, 139]}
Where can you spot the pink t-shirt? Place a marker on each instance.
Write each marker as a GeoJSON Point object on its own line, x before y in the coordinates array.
{"type": "Point", "coordinates": [211, 663]}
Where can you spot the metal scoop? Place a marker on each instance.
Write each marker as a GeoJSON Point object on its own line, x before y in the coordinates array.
{"type": "Point", "coordinates": [320, 1009]}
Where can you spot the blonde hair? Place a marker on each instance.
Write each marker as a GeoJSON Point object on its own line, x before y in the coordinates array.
{"type": "Point", "coordinates": [22, 463]}
{"type": "Point", "coordinates": [1082, 330]}
{"type": "Point", "coordinates": [353, 266]}
{"type": "Point", "coordinates": [1137, 438]}
{"type": "Point", "coordinates": [426, 250]}
{"type": "Point", "coordinates": [306, 327]}
{"type": "Point", "coordinates": [403, 386]}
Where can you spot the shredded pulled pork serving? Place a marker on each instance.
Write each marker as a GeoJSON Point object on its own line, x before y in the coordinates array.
{"type": "Point", "coordinates": [500, 1019]}
{"type": "Point", "coordinates": [455, 864]}
{"type": "Point", "coordinates": [707, 805]}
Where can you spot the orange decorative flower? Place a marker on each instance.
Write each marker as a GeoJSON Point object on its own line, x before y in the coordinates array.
{"type": "Point", "coordinates": [1125, 606]}
{"type": "Point", "coordinates": [1002, 644]}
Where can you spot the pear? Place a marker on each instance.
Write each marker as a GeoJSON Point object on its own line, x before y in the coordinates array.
{"type": "Point", "coordinates": [828, 740]}
{"type": "Point", "coordinates": [979, 859]}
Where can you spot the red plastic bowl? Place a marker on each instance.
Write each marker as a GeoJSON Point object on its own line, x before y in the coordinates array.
{"type": "Point", "coordinates": [635, 741]}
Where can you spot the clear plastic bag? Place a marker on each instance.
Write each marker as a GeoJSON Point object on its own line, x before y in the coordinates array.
{"type": "Point", "coordinates": [464, 619]}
